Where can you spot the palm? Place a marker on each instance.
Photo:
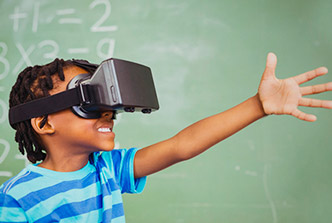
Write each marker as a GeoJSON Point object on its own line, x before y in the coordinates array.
{"type": "Point", "coordinates": [284, 96]}
{"type": "Point", "coordinates": [279, 97]}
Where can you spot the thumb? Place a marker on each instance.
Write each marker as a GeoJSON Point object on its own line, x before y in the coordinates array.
{"type": "Point", "coordinates": [271, 64]}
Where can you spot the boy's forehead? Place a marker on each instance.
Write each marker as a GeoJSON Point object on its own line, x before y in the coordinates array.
{"type": "Point", "coordinates": [70, 73]}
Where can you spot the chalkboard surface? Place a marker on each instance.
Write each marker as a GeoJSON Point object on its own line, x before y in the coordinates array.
{"type": "Point", "coordinates": [206, 56]}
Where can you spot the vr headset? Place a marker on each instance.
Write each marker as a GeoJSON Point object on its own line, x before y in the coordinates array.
{"type": "Point", "coordinates": [116, 85]}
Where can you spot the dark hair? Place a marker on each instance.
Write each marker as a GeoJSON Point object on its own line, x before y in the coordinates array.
{"type": "Point", "coordinates": [33, 83]}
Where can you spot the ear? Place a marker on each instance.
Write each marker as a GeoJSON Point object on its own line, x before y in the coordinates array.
{"type": "Point", "coordinates": [48, 128]}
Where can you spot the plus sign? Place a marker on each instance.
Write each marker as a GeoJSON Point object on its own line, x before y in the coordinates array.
{"type": "Point", "coordinates": [16, 16]}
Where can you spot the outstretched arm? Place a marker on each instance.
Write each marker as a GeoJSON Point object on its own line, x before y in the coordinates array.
{"type": "Point", "coordinates": [274, 97]}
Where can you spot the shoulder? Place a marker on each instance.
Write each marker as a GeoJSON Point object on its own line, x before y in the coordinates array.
{"type": "Point", "coordinates": [10, 194]}
{"type": "Point", "coordinates": [116, 156]}
{"type": "Point", "coordinates": [14, 185]}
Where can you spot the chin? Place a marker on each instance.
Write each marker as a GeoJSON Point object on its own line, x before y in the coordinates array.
{"type": "Point", "coordinates": [107, 147]}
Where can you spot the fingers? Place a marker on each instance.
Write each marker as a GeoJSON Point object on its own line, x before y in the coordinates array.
{"type": "Point", "coordinates": [307, 76]}
{"type": "Point", "coordinates": [316, 103]}
{"type": "Point", "coordinates": [271, 64]}
{"type": "Point", "coordinates": [303, 116]}
{"type": "Point", "coordinates": [316, 89]}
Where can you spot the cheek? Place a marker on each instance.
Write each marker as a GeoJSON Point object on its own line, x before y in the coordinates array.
{"type": "Point", "coordinates": [66, 122]}
{"type": "Point", "coordinates": [79, 128]}
{"type": "Point", "coordinates": [73, 130]}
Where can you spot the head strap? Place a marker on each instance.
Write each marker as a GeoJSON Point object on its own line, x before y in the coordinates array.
{"type": "Point", "coordinates": [50, 104]}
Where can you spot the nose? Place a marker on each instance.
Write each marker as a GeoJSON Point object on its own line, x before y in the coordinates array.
{"type": "Point", "coordinates": [109, 115]}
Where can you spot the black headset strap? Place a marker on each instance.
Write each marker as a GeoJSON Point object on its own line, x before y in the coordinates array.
{"type": "Point", "coordinates": [48, 105]}
{"type": "Point", "coordinates": [90, 67]}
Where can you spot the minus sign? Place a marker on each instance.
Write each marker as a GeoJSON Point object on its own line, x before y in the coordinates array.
{"type": "Point", "coordinates": [77, 50]}
{"type": "Point", "coordinates": [70, 21]}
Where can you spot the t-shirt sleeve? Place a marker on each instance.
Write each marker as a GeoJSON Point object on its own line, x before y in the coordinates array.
{"type": "Point", "coordinates": [123, 164]}
{"type": "Point", "coordinates": [10, 210]}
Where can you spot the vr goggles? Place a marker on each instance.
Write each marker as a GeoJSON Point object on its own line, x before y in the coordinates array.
{"type": "Point", "coordinates": [116, 85]}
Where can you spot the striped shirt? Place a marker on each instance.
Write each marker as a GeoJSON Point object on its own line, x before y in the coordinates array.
{"type": "Point", "coordinates": [91, 194]}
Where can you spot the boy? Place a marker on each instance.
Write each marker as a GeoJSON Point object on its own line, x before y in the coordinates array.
{"type": "Point", "coordinates": [76, 183]}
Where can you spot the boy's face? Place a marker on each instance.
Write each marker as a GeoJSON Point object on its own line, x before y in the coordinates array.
{"type": "Point", "coordinates": [80, 135]}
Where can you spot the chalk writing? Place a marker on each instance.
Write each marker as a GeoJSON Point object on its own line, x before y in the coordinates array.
{"type": "Point", "coordinates": [3, 113]}
{"type": "Point", "coordinates": [35, 17]}
{"type": "Point", "coordinates": [97, 27]}
{"type": "Point", "coordinates": [109, 52]}
{"type": "Point", "coordinates": [16, 16]}
{"type": "Point", "coordinates": [3, 60]}
{"type": "Point", "coordinates": [31, 18]}
{"type": "Point", "coordinates": [5, 150]}
{"type": "Point", "coordinates": [64, 16]}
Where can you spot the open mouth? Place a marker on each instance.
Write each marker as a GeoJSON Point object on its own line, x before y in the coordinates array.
{"type": "Point", "coordinates": [104, 130]}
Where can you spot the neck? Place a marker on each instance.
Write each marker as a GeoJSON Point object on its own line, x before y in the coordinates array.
{"type": "Point", "coordinates": [65, 163]}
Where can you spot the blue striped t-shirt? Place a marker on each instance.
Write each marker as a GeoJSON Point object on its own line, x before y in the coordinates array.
{"type": "Point", "coordinates": [91, 194]}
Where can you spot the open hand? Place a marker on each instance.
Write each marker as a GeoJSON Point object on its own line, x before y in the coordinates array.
{"type": "Point", "coordinates": [284, 96]}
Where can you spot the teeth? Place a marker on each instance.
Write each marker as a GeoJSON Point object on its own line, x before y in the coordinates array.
{"type": "Point", "coordinates": [104, 130]}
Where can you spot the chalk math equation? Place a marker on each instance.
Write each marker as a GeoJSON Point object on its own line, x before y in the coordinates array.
{"type": "Point", "coordinates": [25, 19]}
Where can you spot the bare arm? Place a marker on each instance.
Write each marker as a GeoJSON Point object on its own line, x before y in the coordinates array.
{"type": "Point", "coordinates": [274, 97]}
{"type": "Point", "coordinates": [197, 138]}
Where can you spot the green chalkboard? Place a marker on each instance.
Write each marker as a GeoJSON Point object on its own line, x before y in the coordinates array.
{"type": "Point", "coordinates": [206, 56]}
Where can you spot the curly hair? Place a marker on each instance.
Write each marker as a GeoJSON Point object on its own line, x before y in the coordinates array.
{"type": "Point", "coordinates": [33, 83]}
